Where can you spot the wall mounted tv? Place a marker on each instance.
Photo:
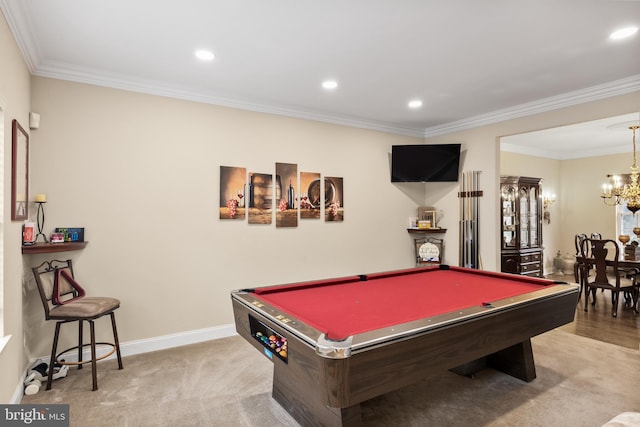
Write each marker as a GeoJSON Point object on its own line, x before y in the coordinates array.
{"type": "Point", "coordinates": [425, 163]}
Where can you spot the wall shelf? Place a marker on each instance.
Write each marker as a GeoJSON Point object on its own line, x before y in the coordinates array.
{"type": "Point", "coordinates": [46, 248]}
{"type": "Point", "coordinates": [427, 230]}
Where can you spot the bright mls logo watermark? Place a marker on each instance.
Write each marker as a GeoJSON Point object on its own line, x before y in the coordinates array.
{"type": "Point", "coordinates": [34, 415]}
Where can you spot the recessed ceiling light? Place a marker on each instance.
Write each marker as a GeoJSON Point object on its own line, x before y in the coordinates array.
{"type": "Point", "coordinates": [623, 33]}
{"type": "Point", "coordinates": [416, 103]}
{"type": "Point", "coordinates": [329, 84]}
{"type": "Point", "coordinates": [205, 55]}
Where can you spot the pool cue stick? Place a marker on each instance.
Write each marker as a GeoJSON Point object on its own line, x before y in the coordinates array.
{"type": "Point", "coordinates": [469, 220]}
{"type": "Point", "coordinates": [461, 221]}
{"type": "Point", "coordinates": [474, 214]}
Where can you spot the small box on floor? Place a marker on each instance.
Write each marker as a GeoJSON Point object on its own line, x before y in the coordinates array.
{"type": "Point", "coordinates": [72, 234]}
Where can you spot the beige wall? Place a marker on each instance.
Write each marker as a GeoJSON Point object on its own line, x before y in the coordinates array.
{"type": "Point", "coordinates": [583, 211]}
{"type": "Point", "coordinates": [14, 100]}
{"type": "Point", "coordinates": [141, 174]}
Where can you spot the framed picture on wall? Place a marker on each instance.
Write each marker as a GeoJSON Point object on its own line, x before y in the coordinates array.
{"type": "Point", "coordinates": [19, 172]}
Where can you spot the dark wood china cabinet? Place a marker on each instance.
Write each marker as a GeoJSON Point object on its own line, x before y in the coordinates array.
{"type": "Point", "coordinates": [521, 229]}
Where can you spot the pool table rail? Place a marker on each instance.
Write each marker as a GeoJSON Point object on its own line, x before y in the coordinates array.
{"type": "Point", "coordinates": [341, 348]}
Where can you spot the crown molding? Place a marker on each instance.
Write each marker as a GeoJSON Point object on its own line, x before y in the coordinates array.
{"type": "Point", "coordinates": [594, 93]}
{"type": "Point", "coordinates": [18, 20]}
{"type": "Point", "coordinates": [99, 78]}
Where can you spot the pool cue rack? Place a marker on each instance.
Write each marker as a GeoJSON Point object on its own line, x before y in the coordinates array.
{"type": "Point", "coordinates": [469, 194]}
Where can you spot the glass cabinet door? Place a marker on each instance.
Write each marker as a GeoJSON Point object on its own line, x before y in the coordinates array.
{"type": "Point", "coordinates": [524, 217]}
{"type": "Point", "coordinates": [533, 216]}
{"type": "Point", "coordinates": [509, 223]}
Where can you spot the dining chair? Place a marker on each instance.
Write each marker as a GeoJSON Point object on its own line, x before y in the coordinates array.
{"type": "Point", "coordinates": [603, 255]}
{"type": "Point", "coordinates": [576, 270]}
{"type": "Point", "coordinates": [64, 301]}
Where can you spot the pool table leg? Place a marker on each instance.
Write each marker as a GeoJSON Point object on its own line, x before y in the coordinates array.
{"type": "Point", "coordinates": [307, 408]}
{"type": "Point", "coordinates": [516, 361]}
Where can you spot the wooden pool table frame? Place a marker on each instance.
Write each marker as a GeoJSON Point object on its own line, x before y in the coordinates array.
{"type": "Point", "coordinates": [321, 389]}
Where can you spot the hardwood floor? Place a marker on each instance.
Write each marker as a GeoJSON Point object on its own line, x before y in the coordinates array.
{"type": "Point", "coordinates": [599, 324]}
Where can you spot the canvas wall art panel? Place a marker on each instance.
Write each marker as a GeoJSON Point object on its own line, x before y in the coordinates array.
{"type": "Point", "coordinates": [260, 198]}
{"type": "Point", "coordinates": [232, 192]}
{"type": "Point", "coordinates": [334, 199]}
{"type": "Point", "coordinates": [287, 209]}
{"type": "Point", "coordinates": [310, 195]}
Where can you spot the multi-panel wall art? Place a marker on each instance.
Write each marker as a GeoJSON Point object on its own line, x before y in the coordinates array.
{"type": "Point", "coordinates": [289, 195]}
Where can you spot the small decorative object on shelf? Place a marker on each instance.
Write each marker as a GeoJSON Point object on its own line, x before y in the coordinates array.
{"type": "Point", "coordinates": [57, 238]}
{"type": "Point", "coordinates": [429, 251]}
{"type": "Point", "coordinates": [41, 199]}
{"type": "Point", "coordinates": [28, 233]}
{"type": "Point", "coordinates": [71, 234]}
{"type": "Point", "coordinates": [427, 217]}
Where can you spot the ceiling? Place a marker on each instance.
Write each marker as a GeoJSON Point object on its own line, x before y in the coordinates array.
{"type": "Point", "coordinates": [589, 139]}
{"type": "Point", "coordinates": [471, 62]}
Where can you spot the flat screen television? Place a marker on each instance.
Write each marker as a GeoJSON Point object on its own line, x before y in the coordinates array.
{"type": "Point", "coordinates": [425, 163]}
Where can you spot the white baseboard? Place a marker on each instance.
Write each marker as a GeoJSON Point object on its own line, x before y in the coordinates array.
{"type": "Point", "coordinates": [142, 346]}
{"type": "Point", "coordinates": [175, 340]}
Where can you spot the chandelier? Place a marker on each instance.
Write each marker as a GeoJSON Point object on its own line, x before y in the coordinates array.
{"type": "Point", "coordinates": [614, 193]}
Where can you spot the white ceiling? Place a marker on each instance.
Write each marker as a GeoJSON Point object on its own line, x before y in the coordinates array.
{"type": "Point", "coordinates": [596, 138]}
{"type": "Point", "coordinates": [471, 62]}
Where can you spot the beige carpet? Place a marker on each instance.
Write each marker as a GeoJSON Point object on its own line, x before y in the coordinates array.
{"type": "Point", "coordinates": [581, 382]}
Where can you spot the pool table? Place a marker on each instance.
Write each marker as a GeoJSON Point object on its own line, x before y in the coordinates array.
{"type": "Point", "coordinates": [339, 342]}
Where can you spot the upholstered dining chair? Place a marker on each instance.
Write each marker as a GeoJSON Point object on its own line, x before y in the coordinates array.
{"type": "Point", "coordinates": [64, 301]}
{"type": "Point", "coordinates": [604, 256]}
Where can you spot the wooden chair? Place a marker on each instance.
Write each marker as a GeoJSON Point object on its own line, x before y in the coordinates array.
{"type": "Point", "coordinates": [578, 239]}
{"type": "Point", "coordinates": [64, 301]}
{"type": "Point", "coordinates": [604, 256]}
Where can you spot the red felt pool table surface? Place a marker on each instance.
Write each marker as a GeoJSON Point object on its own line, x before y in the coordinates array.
{"type": "Point", "coordinates": [353, 305]}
